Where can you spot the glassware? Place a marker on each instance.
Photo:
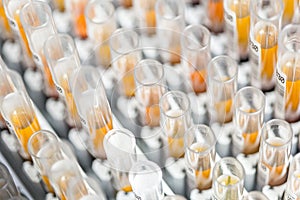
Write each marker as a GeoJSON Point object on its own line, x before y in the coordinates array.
{"type": "Point", "coordinates": [228, 179]}
{"type": "Point", "coordinates": [12, 10]}
{"type": "Point", "coordinates": [125, 3]}
{"type": "Point", "coordinates": [248, 117]}
{"type": "Point", "coordinates": [292, 190]}
{"type": "Point", "coordinates": [87, 188]}
{"type": "Point", "coordinates": [175, 120]}
{"type": "Point", "coordinates": [78, 22]}
{"type": "Point", "coordinates": [222, 86]}
{"type": "Point", "coordinates": [195, 44]}
{"type": "Point", "coordinates": [7, 186]}
{"type": "Point", "coordinates": [120, 148]}
{"type": "Point", "coordinates": [101, 23]}
{"type": "Point", "coordinates": [59, 5]}
{"type": "Point", "coordinates": [237, 27]}
{"type": "Point", "coordinates": [215, 15]}
{"type": "Point", "coordinates": [37, 20]}
{"type": "Point", "coordinates": [288, 11]}
{"type": "Point", "coordinates": [150, 86]}
{"type": "Point", "coordinates": [93, 108]}
{"type": "Point", "coordinates": [200, 153]}
{"type": "Point", "coordinates": [170, 23]}
{"type": "Point", "coordinates": [288, 75]}
{"type": "Point", "coordinates": [62, 58]}
{"type": "Point", "coordinates": [124, 46]}
{"type": "Point", "coordinates": [146, 180]}
{"type": "Point", "coordinates": [6, 31]}
{"type": "Point", "coordinates": [264, 29]}
{"type": "Point", "coordinates": [256, 195]}
{"type": "Point", "coordinates": [43, 147]}
{"type": "Point", "coordinates": [274, 153]}
{"type": "Point", "coordinates": [145, 13]}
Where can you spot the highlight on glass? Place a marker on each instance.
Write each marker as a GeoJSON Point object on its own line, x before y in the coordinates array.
{"type": "Point", "coordinates": [248, 117]}
{"type": "Point", "coordinates": [200, 154]}
{"type": "Point", "coordinates": [264, 30]}
{"type": "Point", "coordinates": [288, 75]}
{"type": "Point", "coordinates": [222, 86]}
{"type": "Point", "coordinates": [274, 153]}
{"type": "Point", "coordinates": [150, 86]}
{"type": "Point", "coordinates": [195, 56]}
{"type": "Point", "coordinates": [8, 188]}
{"type": "Point", "coordinates": [175, 120]}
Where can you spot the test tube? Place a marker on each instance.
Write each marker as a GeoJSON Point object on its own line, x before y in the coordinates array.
{"type": "Point", "coordinates": [62, 59]}
{"type": "Point", "coordinates": [200, 153]}
{"type": "Point", "coordinates": [150, 86]}
{"type": "Point", "coordinates": [175, 120]}
{"type": "Point", "coordinates": [37, 20]}
{"type": "Point", "coordinates": [264, 29]}
{"type": "Point", "coordinates": [195, 44]}
{"type": "Point", "coordinates": [78, 22]}
{"type": "Point", "coordinates": [120, 148]}
{"type": "Point", "coordinates": [145, 13]}
{"type": "Point", "coordinates": [6, 31]}
{"type": "Point", "coordinates": [215, 15]}
{"type": "Point", "coordinates": [248, 117]}
{"type": "Point", "coordinates": [125, 3]}
{"type": "Point", "coordinates": [146, 180]}
{"type": "Point", "coordinates": [43, 147]}
{"type": "Point", "coordinates": [222, 86]}
{"type": "Point", "coordinates": [288, 75]}
{"type": "Point", "coordinates": [228, 179]}
{"type": "Point", "coordinates": [274, 153]}
{"type": "Point", "coordinates": [289, 8]}
{"type": "Point", "coordinates": [7, 186]}
{"type": "Point", "coordinates": [292, 190]}
{"type": "Point", "coordinates": [170, 23]}
{"type": "Point", "coordinates": [59, 5]}
{"type": "Point", "coordinates": [18, 111]}
{"type": "Point", "coordinates": [12, 10]}
{"type": "Point", "coordinates": [237, 27]}
{"type": "Point", "coordinates": [93, 108]}
{"type": "Point", "coordinates": [124, 46]}
{"type": "Point", "coordinates": [101, 23]}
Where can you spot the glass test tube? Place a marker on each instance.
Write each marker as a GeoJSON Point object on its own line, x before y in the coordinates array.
{"type": "Point", "coordinates": [170, 23]}
{"type": "Point", "coordinates": [145, 13]}
{"type": "Point", "coordinates": [175, 120]}
{"type": "Point", "coordinates": [12, 10]}
{"type": "Point", "coordinates": [195, 44]}
{"type": "Point", "coordinates": [124, 46]}
{"type": "Point", "coordinates": [274, 153]}
{"type": "Point", "coordinates": [77, 8]}
{"type": "Point", "coordinates": [150, 86]}
{"type": "Point", "coordinates": [93, 108]}
{"type": "Point", "coordinates": [288, 75]}
{"type": "Point", "coordinates": [222, 86]}
{"type": "Point", "coordinates": [120, 148]}
{"type": "Point", "coordinates": [43, 147]}
{"type": "Point", "coordinates": [292, 190]}
{"type": "Point", "coordinates": [289, 8]}
{"type": "Point", "coordinates": [237, 27]}
{"type": "Point", "coordinates": [18, 111]}
{"type": "Point", "coordinates": [59, 5]}
{"type": "Point", "coordinates": [6, 31]}
{"type": "Point", "coordinates": [264, 29]}
{"type": "Point", "coordinates": [228, 179]}
{"type": "Point", "coordinates": [146, 180]}
{"type": "Point", "coordinates": [101, 23]}
{"type": "Point", "coordinates": [7, 186]}
{"type": "Point", "coordinates": [215, 15]}
{"type": "Point", "coordinates": [37, 20]}
{"type": "Point", "coordinates": [200, 153]}
{"type": "Point", "coordinates": [248, 117]}
{"type": "Point", "coordinates": [62, 58]}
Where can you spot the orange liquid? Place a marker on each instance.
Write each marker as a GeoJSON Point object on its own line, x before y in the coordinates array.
{"type": "Point", "coordinates": [267, 37]}
{"type": "Point", "coordinates": [292, 97]}
{"type": "Point", "coordinates": [127, 82]}
{"type": "Point", "coordinates": [176, 147]}
{"type": "Point", "coordinates": [104, 55]}
{"type": "Point", "coordinates": [224, 110]}
{"type": "Point", "coordinates": [24, 125]}
{"type": "Point", "coordinates": [127, 188]}
{"type": "Point", "coordinates": [126, 3]}
{"type": "Point", "coordinates": [198, 81]}
{"type": "Point", "coordinates": [150, 18]}
{"type": "Point", "coordinates": [24, 41]}
{"type": "Point", "coordinates": [152, 115]}
{"type": "Point", "coordinates": [47, 184]}
{"type": "Point", "coordinates": [49, 83]}
{"type": "Point", "coordinates": [4, 20]}
{"type": "Point", "coordinates": [175, 52]}
{"type": "Point", "coordinates": [79, 23]}
{"type": "Point", "coordinates": [60, 5]}
{"type": "Point", "coordinates": [288, 11]}
{"type": "Point", "coordinates": [215, 14]}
